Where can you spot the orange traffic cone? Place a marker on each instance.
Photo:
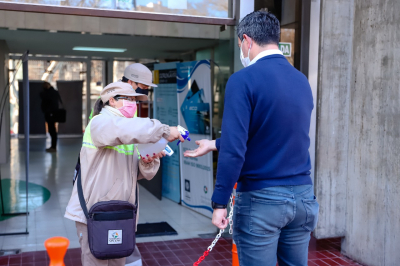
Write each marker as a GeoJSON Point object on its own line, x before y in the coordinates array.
{"type": "Point", "coordinates": [235, 257]}
{"type": "Point", "coordinates": [56, 248]}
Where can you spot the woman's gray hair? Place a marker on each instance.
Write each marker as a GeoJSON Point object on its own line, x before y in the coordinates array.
{"type": "Point", "coordinates": [261, 26]}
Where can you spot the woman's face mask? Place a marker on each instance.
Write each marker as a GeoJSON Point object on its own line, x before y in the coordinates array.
{"type": "Point", "coordinates": [245, 60]}
{"type": "Point", "coordinates": [128, 108]}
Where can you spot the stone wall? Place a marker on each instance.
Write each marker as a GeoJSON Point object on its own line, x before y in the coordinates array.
{"type": "Point", "coordinates": [358, 132]}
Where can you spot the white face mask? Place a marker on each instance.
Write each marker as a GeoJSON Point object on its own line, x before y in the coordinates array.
{"type": "Point", "coordinates": [245, 61]}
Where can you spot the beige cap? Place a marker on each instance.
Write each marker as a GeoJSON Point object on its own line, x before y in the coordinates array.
{"type": "Point", "coordinates": [139, 73]}
{"type": "Point", "coordinates": [120, 88]}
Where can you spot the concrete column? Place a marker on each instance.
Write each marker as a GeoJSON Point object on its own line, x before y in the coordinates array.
{"type": "Point", "coordinates": [334, 77]}
{"type": "Point", "coordinates": [373, 195]}
{"type": "Point", "coordinates": [5, 124]}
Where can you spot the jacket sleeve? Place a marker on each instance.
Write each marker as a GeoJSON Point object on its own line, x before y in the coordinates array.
{"type": "Point", "coordinates": [112, 131]}
{"type": "Point", "coordinates": [218, 143]}
{"type": "Point", "coordinates": [235, 127]}
{"type": "Point", "coordinates": [148, 170]}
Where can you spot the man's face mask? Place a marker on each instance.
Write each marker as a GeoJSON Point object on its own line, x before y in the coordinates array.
{"type": "Point", "coordinates": [142, 91]}
{"type": "Point", "coordinates": [245, 60]}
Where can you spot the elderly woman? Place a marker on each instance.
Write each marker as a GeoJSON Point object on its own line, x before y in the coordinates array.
{"type": "Point", "coordinates": [110, 164]}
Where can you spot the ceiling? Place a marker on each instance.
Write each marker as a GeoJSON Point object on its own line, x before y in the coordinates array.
{"type": "Point", "coordinates": [138, 47]}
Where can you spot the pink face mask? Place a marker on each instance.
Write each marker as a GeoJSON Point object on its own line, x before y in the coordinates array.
{"type": "Point", "coordinates": [128, 109]}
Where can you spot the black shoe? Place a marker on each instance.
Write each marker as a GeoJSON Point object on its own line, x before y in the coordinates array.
{"type": "Point", "coordinates": [51, 150]}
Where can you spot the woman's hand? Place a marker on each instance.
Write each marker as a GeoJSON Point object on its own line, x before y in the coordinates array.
{"type": "Point", "coordinates": [174, 135]}
{"type": "Point", "coordinates": [149, 159]}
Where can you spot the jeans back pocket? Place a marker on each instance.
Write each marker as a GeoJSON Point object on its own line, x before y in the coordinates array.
{"type": "Point", "coordinates": [312, 210]}
{"type": "Point", "coordinates": [267, 216]}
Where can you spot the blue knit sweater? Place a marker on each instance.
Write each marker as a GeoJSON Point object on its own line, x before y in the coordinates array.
{"type": "Point", "coordinates": [265, 127]}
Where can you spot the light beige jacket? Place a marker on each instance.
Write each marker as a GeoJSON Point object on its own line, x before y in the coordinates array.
{"type": "Point", "coordinates": [109, 160]}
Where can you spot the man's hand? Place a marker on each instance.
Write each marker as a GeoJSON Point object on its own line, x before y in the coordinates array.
{"type": "Point", "coordinates": [205, 146]}
{"type": "Point", "coordinates": [174, 135]}
{"type": "Point", "coordinates": [149, 159]}
{"type": "Point", "coordinates": [219, 218]}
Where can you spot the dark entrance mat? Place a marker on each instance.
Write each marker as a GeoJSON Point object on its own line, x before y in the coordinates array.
{"type": "Point", "coordinates": [155, 229]}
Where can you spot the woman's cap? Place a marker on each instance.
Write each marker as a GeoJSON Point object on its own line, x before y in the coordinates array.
{"type": "Point", "coordinates": [120, 88]}
{"type": "Point", "coordinates": [140, 74]}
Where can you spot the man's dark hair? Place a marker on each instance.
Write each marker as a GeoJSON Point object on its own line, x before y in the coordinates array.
{"type": "Point", "coordinates": [261, 26]}
{"type": "Point", "coordinates": [124, 79]}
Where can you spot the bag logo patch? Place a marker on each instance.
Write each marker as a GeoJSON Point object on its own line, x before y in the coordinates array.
{"type": "Point", "coordinates": [114, 237]}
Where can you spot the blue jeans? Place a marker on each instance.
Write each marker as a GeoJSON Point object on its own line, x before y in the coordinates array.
{"type": "Point", "coordinates": [274, 224]}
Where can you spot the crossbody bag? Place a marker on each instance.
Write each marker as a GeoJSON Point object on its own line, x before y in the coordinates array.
{"type": "Point", "coordinates": [111, 226]}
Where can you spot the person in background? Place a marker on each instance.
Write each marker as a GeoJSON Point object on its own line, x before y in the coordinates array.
{"type": "Point", "coordinates": [139, 77]}
{"type": "Point", "coordinates": [110, 164]}
{"type": "Point", "coordinates": [264, 148]}
{"type": "Point", "coordinates": [50, 100]}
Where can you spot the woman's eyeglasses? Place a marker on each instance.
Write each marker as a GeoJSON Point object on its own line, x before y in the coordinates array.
{"type": "Point", "coordinates": [131, 99]}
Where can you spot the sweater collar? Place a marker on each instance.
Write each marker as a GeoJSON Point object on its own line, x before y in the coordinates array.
{"type": "Point", "coordinates": [264, 54]}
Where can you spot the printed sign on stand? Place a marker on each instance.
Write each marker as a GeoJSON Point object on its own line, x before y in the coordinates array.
{"type": "Point", "coordinates": [194, 114]}
{"type": "Point", "coordinates": [166, 111]}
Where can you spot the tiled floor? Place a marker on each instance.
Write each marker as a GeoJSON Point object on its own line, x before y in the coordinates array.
{"type": "Point", "coordinates": [186, 252]}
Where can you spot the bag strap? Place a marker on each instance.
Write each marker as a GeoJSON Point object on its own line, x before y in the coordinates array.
{"type": "Point", "coordinates": [82, 198]}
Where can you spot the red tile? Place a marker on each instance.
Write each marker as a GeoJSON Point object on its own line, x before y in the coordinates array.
{"type": "Point", "coordinates": [341, 261]}
{"type": "Point", "coordinates": [170, 254]}
{"type": "Point", "coordinates": [15, 260]}
{"type": "Point", "coordinates": [163, 262]}
{"type": "Point", "coordinates": [143, 249]}
{"type": "Point", "coordinates": [4, 260]}
{"type": "Point", "coordinates": [327, 254]}
{"type": "Point", "coordinates": [312, 263]}
{"type": "Point", "coordinates": [152, 249]}
{"type": "Point", "coordinates": [173, 246]}
{"type": "Point", "coordinates": [225, 262]}
{"type": "Point", "coordinates": [330, 262]}
{"type": "Point", "coordinates": [216, 256]}
{"type": "Point", "coordinates": [316, 255]}
{"type": "Point", "coordinates": [28, 259]}
{"type": "Point", "coordinates": [158, 255]}
{"type": "Point", "coordinates": [320, 263]}
{"type": "Point", "coordinates": [147, 255]}
{"type": "Point", "coordinates": [152, 262]}
{"type": "Point", "coordinates": [183, 246]}
{"type": "Point", "coordinates": [174, 260]}
{"type": "Point", "coordinates": [163, 248]}
{"type": "Point", "coordinates": [186, 260]}
{"type": "Point", "coordinates": [76, 262]}
{"type": "Point", "coordinates": [179, 253]}
{"type": "Point", "coordinates": [212, 263]}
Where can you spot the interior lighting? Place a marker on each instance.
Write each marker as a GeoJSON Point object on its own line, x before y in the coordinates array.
{"type": "Point", "coordinates": [99, 49]}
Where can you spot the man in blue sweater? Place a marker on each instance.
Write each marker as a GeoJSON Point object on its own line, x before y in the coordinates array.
{"type": "Point", "coordinates": [264, 148]}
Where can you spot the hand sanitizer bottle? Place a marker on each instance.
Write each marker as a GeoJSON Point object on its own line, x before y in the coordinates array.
{"type": "Point", "coordinates": [162, 145]}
